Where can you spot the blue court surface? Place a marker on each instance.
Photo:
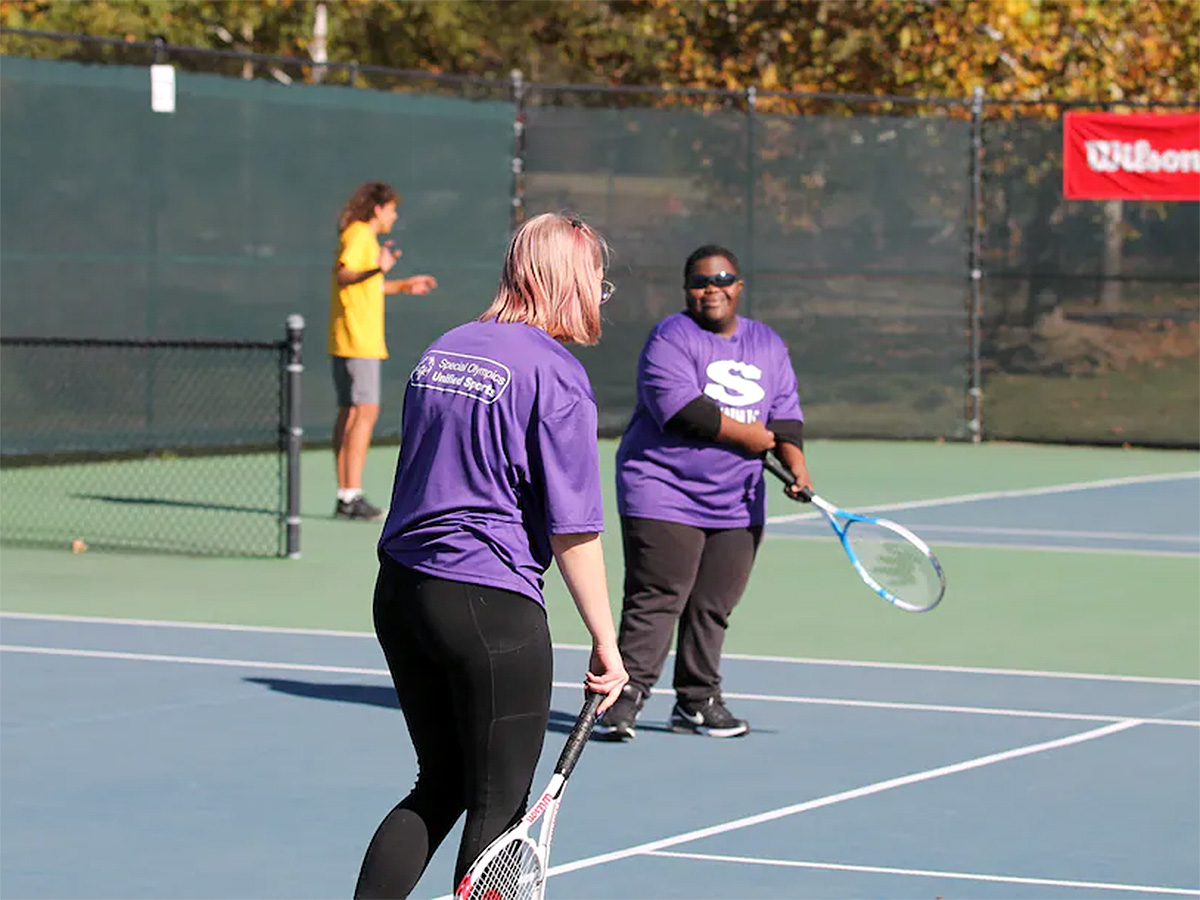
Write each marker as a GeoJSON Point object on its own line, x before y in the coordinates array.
{"type": "Point", "coordinates": [1153, 515]}
{"type": "Point", "coordinates": [160, 760]}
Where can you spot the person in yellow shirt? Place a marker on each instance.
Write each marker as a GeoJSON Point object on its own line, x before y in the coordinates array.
{"type": "Point", "coordinates": [356, 336]}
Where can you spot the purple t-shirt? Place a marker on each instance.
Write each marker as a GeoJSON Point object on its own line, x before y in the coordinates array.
{"type": "Point", "coordinates": [498, 452]}
{"type": "Point", "coordinates": [665, 475]}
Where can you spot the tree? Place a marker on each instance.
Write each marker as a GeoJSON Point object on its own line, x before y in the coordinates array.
{"type": "Point", "coordinates": [1109, 50]}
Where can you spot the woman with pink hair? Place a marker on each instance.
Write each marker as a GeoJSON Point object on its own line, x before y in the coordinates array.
{"type": "Point", "coordinates": [498, 475]}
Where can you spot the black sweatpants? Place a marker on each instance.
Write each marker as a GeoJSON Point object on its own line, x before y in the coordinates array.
{"type": "Point", "coordinates": [472, 667]}
{"type": "Point", "coordinates": [693, 576]}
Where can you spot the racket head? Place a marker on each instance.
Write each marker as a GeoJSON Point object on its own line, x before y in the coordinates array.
{"type": "Point", "coordinates": [895, 563]}
{"type": "Point", "coordinates": [513, 867]}
{"type": "Point", "coordinates": [510, 869]}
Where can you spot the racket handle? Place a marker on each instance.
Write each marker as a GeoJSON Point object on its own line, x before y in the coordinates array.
{"type": "Point", "coordinates": [579, 735]}
{"type": "Point", "coordinates": [780, 471]}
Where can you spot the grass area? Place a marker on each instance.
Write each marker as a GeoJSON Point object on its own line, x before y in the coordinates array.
{"type": "Point", "coordinates": [1153, 403]}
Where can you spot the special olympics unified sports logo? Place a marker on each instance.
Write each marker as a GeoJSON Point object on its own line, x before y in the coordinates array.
{"type": "Point", "coordinates": [424, 367]}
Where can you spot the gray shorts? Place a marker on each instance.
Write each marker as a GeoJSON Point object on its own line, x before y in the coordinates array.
{"type": "Point", "coordinates": [355, 380]}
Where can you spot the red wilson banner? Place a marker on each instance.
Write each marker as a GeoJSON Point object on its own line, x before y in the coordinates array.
{"type": "Point", "coordinates": [1119, 156]}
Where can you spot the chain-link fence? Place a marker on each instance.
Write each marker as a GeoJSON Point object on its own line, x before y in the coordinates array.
{"type": "Point", "coordinates": [859, 222]}
{"type": "Point", "coordinates": [180, 446]}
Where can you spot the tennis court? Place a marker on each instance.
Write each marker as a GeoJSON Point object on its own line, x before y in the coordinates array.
{"type": "Point", "coordinates": [184, 727]}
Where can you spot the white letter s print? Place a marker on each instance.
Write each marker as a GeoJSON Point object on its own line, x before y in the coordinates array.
{"type": "Point", "coordinates": [734, 383]}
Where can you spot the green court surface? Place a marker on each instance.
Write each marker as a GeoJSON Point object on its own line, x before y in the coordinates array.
{"type": "Point", "coordinates": [1092, 612]}
{"type": "Point", "coordinates": [222, 504]}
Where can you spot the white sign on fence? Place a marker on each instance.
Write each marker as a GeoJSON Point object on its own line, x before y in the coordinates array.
{"type": "Point", "coordinates": [162, 88]}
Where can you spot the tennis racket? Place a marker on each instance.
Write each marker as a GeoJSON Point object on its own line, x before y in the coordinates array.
{"type": "Point", "coordinates": [895, 563]}
{"type": "Point", "coordinates": [513, 867]}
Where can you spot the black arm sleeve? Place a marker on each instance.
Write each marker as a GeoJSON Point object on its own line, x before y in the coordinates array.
{"type": "Point", "coordinates": [790, 431]}
{"type": "Point", "coordinates": [700, 419]}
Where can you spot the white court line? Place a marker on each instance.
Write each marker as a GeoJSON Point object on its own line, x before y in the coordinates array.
{"type": "Point", "coordinates": [166, 623]}
{"type": "Point", "coordinates": [1052, 532]}
{"type": "Point", "coordinates": [938, 707]}
{"type": "Point", "coordinates": [1048, 548]}
{"type": "Point", "coordinates": [1049, 532]}
{"type": "Point", "coordinates": [799, 660]}
{"type": "Point", "coordinates": [1115, 726]}
{"type": "Point", "coordinates": [928, 873]}
{"type": "Point", "coordinates": [928, 667]}
{"type": "Point", "coordinates": [1001, 495]}
{"type": "Point", "coordinates": [576, 685]}
{"type": "Point", "coordinates": [188, 660]}
{"type": "Point", "coordinates": [841, 797]}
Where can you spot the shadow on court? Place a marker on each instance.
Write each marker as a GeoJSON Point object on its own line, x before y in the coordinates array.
{"type": "Point", "coordinates": [385, 696]}
{"type": "Point", "coordinates": [178, 504]}
{"type": "Point", "coordinates": [365, 694]}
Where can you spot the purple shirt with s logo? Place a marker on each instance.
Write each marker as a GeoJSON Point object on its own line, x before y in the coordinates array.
{"type": "Point", "coordinates": [498, 452]}
{"type": "Point", "coordinates": [664, 475]}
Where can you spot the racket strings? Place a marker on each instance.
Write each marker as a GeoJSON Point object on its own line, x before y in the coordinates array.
{"type": "Point", "coordinates": [897, 565]}
{"type": "Point", "coordinates": [514, 873]}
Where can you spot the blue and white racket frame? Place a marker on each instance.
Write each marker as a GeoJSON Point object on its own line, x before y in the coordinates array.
{"type": "Point", "coordinates": [835, 515]}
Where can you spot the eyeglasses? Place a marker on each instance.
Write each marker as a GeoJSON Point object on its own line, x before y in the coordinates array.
{"type": "Point", "coordinates": [721, 279]}
{"type": "Point", "coordinates": [607, 288]}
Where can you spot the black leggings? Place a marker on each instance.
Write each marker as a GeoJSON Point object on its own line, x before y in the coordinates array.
{"type": "Point", "coordinates": [472, 667]}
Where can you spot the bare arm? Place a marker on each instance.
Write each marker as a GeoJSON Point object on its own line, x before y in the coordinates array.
{"type": "Point", "coordinates": [755, 438]}
{"type": "Point", "coordinates": [580, 559]}
{"type": "Point", "coordinates": [793, 457]}
{"type": "Point", "coordinates": [387, 259]}
{"type": "Point", "coordinates": [347, 277]}
{"type": "Point", "coordinates": [703, 420]}
{"type": "Point", "coordinates": [416, 284]}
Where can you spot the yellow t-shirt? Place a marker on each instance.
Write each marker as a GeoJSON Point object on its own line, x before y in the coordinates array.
{"type": "Point", "coordinates": [356, 310]}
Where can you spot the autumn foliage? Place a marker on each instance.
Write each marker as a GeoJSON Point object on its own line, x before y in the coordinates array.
{"type": "Point", "coordinates": [1093, 50]}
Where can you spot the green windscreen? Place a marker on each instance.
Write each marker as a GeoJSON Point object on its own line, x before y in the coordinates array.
{"type": "Point", "coordinates": [219, 220]}
{"type": "Point", "coordinates": [850, 232]}
{"type": "Point", "coordinates": [1091, 308]}
{"type": "Point", "coordinates": [851, 218]}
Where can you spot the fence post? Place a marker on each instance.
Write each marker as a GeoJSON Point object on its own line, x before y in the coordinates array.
{"type": "Point", "coordinates": [155, 193]}
{"type": "Point", "coordinates": [294, 430]}
{"type": "Point", "coordinates": [517, 215]}
{"type": "Point", "coordinates": [748, 254]}
{"type": "Point", "coordinates": [975, 269]}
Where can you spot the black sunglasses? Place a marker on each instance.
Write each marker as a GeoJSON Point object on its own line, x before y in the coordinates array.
{"type": "Point", "coordinates": [721, 279]}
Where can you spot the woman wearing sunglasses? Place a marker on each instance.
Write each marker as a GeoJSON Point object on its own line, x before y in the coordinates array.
{"type": "Point", "coordinates": [715, 392]}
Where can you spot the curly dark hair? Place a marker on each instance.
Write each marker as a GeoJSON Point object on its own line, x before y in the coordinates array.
{"type": "Point", "coordinates": [361, 205]}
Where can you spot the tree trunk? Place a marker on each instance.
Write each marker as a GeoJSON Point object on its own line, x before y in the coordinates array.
{"type": "Point", "coordinates": [1042, 254]}
{"type": "Point", "coordinates": [248, 37]}
{"type": "Point", "coordinates": [1114, 241]}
